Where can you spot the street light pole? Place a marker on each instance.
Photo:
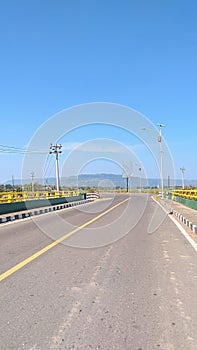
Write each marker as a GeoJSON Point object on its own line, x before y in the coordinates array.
{"type": "Point", "coordinates": [127, 173]}
{"type": "Point", "coordinates": [140, 176]}
{"type": "Point", "coordinates": [140, 169]}
{"type": "Point", "coordinates": [182, 171]}
{"type": "Point", "coordinates": [32, 181]}
{"type": "Point", "coordinates": [161, 157]}
{"type": "Point", "coordinates": [56, 149]}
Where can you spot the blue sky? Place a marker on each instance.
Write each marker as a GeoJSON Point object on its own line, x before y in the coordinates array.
{"type": "Point", "coordinates": [58, 54]}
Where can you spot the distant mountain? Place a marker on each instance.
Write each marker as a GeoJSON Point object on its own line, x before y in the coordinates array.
{"type": "Point", "coordinates": [104, 181]}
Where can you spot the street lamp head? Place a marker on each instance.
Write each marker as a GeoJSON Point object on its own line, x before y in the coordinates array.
{"type": "Point", "coordinates": [160, 125]}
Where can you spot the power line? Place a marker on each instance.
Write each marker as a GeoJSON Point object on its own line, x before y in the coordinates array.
{"type": "Point", "coordinates": [17, 150]}
{"type": "Point", "coordinates": [46, 166]}
{"type": "Point", "coordinates": [49, 168]}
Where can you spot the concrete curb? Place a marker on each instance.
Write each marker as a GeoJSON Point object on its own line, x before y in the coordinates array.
{"type": "Point", "coordinates": [185, 221]}
{"type": "Point", "coordinates": [27, 214]}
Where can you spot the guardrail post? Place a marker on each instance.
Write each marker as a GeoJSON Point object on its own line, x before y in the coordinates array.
{"type": "Point", "coordinates": [10, 197]}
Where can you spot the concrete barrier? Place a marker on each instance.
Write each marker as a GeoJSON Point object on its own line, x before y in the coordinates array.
{"type": "Point", "coordinates": [28, 213]}
{"type": "Point", "coordinates": [190, 203]}
{"type": "Point", "coordinates": [185, 221]}
{"type": "Point", "coordinates": [194, 229]}
{"type": "Point", "coordinates": [6, 208]}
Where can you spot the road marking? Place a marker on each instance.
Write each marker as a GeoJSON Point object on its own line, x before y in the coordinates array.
{"type": "Point", "coordinates": [55, 243]}
{"type": "Point", "coordinates": [185, 234]}
{"type": "Point", "coordinates": [180, 227]}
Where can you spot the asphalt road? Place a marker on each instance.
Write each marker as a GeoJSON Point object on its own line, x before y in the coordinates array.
{"type": "Point", "coordinates": [113, 274]}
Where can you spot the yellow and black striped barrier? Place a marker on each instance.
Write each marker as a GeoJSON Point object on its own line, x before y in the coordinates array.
{"type": "Point", "coordinates": [186, 197]}
{"type": "Point", "coordinates": [188, 194]}
{"type": "Point", "coordinates": [10, 197]}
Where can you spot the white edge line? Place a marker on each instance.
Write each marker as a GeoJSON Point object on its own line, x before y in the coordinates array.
{"type": "Point", "coordinates": [185, 234]}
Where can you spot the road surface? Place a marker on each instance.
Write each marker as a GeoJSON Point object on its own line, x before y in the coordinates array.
{"type": "Point", "coordinates": [113, 274]}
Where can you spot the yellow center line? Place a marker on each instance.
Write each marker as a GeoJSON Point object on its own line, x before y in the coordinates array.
{"type": "Point", "coordinates": [55, 243]}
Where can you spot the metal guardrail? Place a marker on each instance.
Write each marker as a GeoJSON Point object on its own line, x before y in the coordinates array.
{"type": "Point", "coordinates": [188, 194]}
{"type": "Point", "coordinates": [93, 195]}
{"type": "Point", "coordinates": [10, 197]}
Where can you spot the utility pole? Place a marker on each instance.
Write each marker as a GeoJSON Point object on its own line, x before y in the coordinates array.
{"type": "Point", "coordinates": [12, 183]}
{"type": "Point", "coordinates": [32, 181]}
{"type": "Point", "coordinates": [161, 157]}
{"type": "Point", "coordinates": [182, 171]}
{"type": "Point", "coordinates": [56, 149]}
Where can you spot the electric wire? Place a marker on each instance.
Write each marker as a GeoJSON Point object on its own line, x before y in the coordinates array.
{"type": "Point", "coordinates": [49, 168]}
{"type": "Point", "coordinates": [17, 150]}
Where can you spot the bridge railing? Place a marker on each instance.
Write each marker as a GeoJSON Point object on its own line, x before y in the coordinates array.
{"type": "Point", "coordinates": [9, 197]}
{"type": "Point", "coordinates": [188, 194]}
